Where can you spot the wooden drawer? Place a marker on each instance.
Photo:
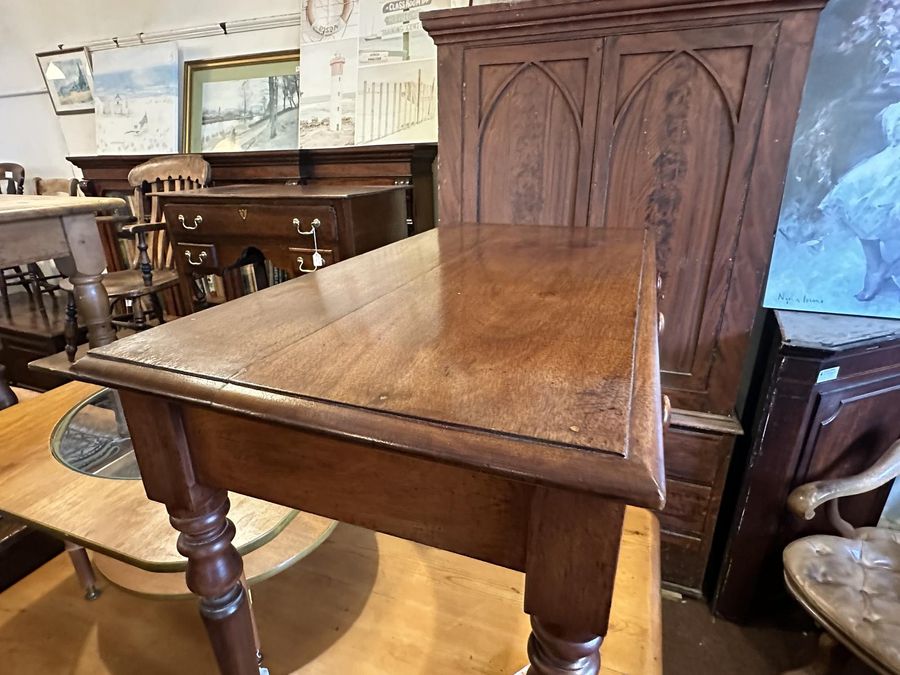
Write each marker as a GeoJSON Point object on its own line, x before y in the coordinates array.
{"type": "Point", "coordinates": [683, 561]}
{"type": "Point", "coordinates": [199, 222]}
{"type": "Point", "coordinates": [301, 259]}
{"type": "Point", "coordinates": [696, 465]}
{"type": "Point", "coordinates": [197, 257]}
{"type": "Point", "coordinates": [687, 507]}
{"type": "Point", "coordinates": [694, 456]}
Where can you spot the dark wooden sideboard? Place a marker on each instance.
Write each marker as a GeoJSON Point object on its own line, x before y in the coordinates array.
{"type": "Point", "coordinates": [214, 230]}
{"type": "Point", "coordinates": [407, 165]}
{"type": "Point", "coordinates": [828, 410]}
{"type": "Point", "coordinates": [676, 116]}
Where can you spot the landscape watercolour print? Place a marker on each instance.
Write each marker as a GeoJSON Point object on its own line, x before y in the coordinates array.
{"type": "Point", "coordinates": [136, 99]}
{"type": "Point", "coordinates": [837, 247]}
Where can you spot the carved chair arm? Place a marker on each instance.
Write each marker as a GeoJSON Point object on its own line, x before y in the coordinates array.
{"type": "Point", "coordinates": [805, 499]}
{"type": "Point", "coordinates": [115, 220]}
{"type": "Point", "coordinates": [143, 228]}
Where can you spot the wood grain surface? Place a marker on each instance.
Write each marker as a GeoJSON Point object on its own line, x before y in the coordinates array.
{"type": "Point", "coordinates": [25, 207]}
{"type": "Point", "coordinates": [363, 603]}
{"type": "Point", "coordinates": [113, 516]}
{"type": "Point", "coordinates": [513, 348]}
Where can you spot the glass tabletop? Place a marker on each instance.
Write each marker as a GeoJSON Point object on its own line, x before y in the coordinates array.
{"type": "Point", "coordinates": [92, 439]}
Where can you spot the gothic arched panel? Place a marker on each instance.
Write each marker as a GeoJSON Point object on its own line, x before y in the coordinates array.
{"type": "Point", "coordinates": [671, 154]}
{"type": "Point", "coordinates": [531, 132]}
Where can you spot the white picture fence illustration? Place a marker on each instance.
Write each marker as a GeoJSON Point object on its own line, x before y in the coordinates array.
{"type": "Point", "coordinates": [391, 107]}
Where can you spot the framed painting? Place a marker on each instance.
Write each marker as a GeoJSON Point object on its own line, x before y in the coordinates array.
{"type": "Point", "coordinates": [242, 103]}
{"type": "Point", "coordinates": [137, 108]}
{"type": "Point", "coordinates": [837, 247]}
{"type": "Point", "coordinates": [67, 74]}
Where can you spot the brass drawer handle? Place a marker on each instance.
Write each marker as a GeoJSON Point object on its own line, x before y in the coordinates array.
{"type": "Point", "coordinates": [197, 220]}
{"type": "Point", "coordinates": [314, 225]}
{"type": "Point", "coordinates": [662, 323]}
{"type": "Point", "coordinates": [667, 411]}
{"type": "Point", "coordinates": [200, 257]}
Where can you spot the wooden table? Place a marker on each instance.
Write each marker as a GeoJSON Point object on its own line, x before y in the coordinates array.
{"type": "Point", "coordinates": [489, 390]}
{"type": "Point", "coordinates": [63, 229]}
{"type": "Point", "coordinates": [216, 230]}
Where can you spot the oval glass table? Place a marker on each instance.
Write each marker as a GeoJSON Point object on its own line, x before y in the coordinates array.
{"type": "Point", "coordinates": [90, 495]}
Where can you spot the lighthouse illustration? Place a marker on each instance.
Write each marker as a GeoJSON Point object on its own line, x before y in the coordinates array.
{"type": "Point", "coordinates": [337, 89]}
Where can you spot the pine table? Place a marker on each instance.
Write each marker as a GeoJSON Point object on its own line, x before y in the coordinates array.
{"type": "Point", "coordinates": [43, 227]}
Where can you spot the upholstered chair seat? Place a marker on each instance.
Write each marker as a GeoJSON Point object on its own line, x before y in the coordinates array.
{"type": "Point", "coordinates": [850, 584]}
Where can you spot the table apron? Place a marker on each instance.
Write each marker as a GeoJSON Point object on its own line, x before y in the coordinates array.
{"type": "Point", "coordinates": [31, 240]}
{"type": "Point", "coordinates": [473, 513]}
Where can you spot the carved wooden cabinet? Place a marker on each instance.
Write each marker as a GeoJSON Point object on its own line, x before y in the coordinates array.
{"type": "Point", "coordinates": [614, 113]}
{"type": "Point", "coordinates": [828, 409]}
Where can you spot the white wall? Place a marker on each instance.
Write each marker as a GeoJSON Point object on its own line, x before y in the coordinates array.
{"type": "Point", "coordinates": [31, 134]}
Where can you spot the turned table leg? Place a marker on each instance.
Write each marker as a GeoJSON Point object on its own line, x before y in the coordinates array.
{"type": "Point", "coordinates": [573, 550]}
{"type": "Point", "coordinates": [198, 512]}
{"type": "Point", "coordinates": [214, 572]}
{"type": "Point", "coordinates": [87, 264]}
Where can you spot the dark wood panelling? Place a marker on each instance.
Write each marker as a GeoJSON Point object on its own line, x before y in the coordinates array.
{"type": "Point", "coordinates": [530, 120]}
{"type": "Point", "coordinates": [696, 457]}
{"type": "Point", "coordinates": [681, 129]}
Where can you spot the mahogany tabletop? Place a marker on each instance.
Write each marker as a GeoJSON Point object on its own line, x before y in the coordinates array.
{"type": "Point", "coordinates": [524, 351]}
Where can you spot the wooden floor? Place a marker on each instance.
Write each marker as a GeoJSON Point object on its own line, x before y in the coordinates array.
{"type": "Point", "coordinates": [362, 604]}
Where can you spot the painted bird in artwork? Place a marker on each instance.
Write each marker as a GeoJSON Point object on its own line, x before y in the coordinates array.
{"type": "Point", "coordinates": [141, 126]}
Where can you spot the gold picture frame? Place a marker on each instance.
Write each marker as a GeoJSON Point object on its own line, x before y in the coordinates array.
{"type": "Point", "coordinates": [227, 103]}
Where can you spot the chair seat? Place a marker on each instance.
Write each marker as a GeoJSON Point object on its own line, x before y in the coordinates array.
{"type": "Point", "coordinates": [852, 587]}
{"type": "Point", "coordinates": [130, 283]}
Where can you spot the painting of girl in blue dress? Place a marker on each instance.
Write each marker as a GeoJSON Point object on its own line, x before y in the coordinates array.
{"type": "Point", "coordinates": [837, 248]}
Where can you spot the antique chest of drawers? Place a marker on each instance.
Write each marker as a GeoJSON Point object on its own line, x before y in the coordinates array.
{"type": "Point", "coordinates": [296, 229]}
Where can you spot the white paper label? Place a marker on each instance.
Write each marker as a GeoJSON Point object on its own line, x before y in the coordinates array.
{"type": "Point", "coordinates": [828, 374]}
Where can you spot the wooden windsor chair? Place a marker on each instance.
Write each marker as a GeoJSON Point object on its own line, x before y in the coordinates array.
{"type": "Point", "coordinates": [145, 244]}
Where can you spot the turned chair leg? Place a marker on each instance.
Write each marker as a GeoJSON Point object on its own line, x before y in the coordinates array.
{"type": "Point", "coordinates": [71, 328]}
{"type": "Point", "coordinates": [138, 315]}
{"type": "Point", "coordinates": [157, 306]}
{"type": "Point", "coordinates": [23, 279]}
{"type": "Point", "coordinates": [83, 570]}
{"type": "Point", "coordinates": [8, 397]}
{"type": "Point", "coordinates": [4, 291]}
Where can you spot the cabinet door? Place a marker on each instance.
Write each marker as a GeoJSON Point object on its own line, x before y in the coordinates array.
{"type": "Point", "coordinates": [678, 125]}
{"type": "Point", "coordinates": [854, 425]}
{"type": "Point", "coordinates": [529, 121]}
